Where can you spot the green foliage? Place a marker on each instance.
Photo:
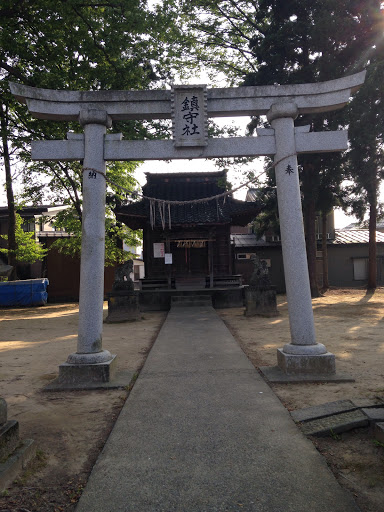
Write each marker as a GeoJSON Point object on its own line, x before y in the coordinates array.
{"type": "Point", "coordinates": [223, 32]}
{"type": "Point", "coordinates": [365, 164]}
{"type": "Point", "coordinates": [69, 220]}
{"type": "Point", "coordinates": [224, 184]}
{"type": "Point", "coordinates": [335, 437]}
{"type": "Point", "coordinates": [268, 42]}
{"type": "Point", "coordinates": [299, 42]}
{"type": "Point", "coordinates": [82, 45]}
{"type": "Point", "coordinates": [268, 219]}
{"type": "Point", "coordinates": [28, 249]}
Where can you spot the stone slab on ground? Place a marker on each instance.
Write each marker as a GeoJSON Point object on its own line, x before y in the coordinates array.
{"type": "Point", "coordinates": [379, 432]}
{"type": "Point", "coordinates": [9, 438]}
{"type": "Point", "coordinates": [3, 411]}
{"type": "Point", "coordinates": [16, 462]}
{"type": "Point", "coordinates": [201, 431]}
{"type": "Point", "coordinates": [335, 424]}
{"type": "Point", "coordinates": [374, 414]}
{"type": "Point", "coordinates": [367, 402]}
{"type": "Point", "coordinates": [276, 375]}
{"type": "Point", "coordinates": [321, 411]}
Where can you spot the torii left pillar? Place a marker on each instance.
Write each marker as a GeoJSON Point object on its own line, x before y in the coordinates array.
{"type": "Point", "coordinates": [90, 363]}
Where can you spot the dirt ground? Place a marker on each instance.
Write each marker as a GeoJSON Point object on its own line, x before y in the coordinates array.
{"type": "Point", "coordinates": [350, 324]}
{"type": "Point", "coordinates": [70, 428]}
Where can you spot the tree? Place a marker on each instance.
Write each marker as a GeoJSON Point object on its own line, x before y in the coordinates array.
{"type": "Point", "coordinates": [263, 42]}
{"type": "Point", "coordinates": [117, 234]}
{"type": "Point", "coordinates": [310, 42]}
{"type": "Point", "coordinates": [268, 219]}
{"type": "Point", "coordinates": [11, 237]}
{"type": "Point", "coordinates": [365, 162]}
{"type": "Point", "coordinates": [331, 194]}
{"type": "Point", "coordinates": [77, 44]}
{"type": "Point", "coordinates": [28, 250]}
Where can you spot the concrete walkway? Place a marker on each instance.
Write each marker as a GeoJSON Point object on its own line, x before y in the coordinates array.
{"type": "Point", "coordinates": [202, 432]}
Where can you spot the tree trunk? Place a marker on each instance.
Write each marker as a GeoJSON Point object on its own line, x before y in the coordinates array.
{"type": "Point", "coordinates": [324, 249]}
{"type": "Point", "coordinates": [372, 265]}
{"type": "Point", "coordinates": [10, 197]}
{"type": "Point", "coordinates": [310, 241]}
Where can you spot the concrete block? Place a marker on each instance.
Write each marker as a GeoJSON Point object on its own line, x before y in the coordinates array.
{"type": "Point", "coordinates": [9, 438]}
{"type": "Point", "coordinates": [260, 303]}
{"type": "Point", "coordinates": [15, 463]}
{"type": "Point", "coordinates": [322, 411]}
{"type": "Point", "coordinates": [3, 411]}
{"type": "Point", "coordinates": [379, 432]}
{"type": "Point", "coordinates": [335, 424]}
{"type": "Point", "coordinates": [228, 298]}
{"type": "Point", "coordinates": [374, 414]}
{"type": "Point", "coordinates": [306, 364]}
{"type": "Point", "coordinates": [123, 307]}
{"type": "Point", "coordinates": [83, 373]}
{"type": "Point", "coordinates": [155, 300]}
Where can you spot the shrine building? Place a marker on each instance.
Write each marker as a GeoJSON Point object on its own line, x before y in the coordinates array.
{"type": "Point", "coordinates": [187, 244]}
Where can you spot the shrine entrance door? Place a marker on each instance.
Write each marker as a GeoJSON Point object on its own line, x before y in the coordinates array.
{"type": "Point", "coordinates": [190, 258]}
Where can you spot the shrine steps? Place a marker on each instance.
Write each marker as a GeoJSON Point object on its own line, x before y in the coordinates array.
{"type": "Point", "coordinates": [162, 300]}
{"type": "Point", "coordinates": [191, 300]}
{"type": "Point", "coordinates": [191, 283]}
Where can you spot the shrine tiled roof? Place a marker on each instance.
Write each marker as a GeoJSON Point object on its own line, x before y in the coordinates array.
{"type": "Point", "coordinates": [251, 240]}
{"type": "Point", "coordinates": [355, 236]}
{"type": "Point", "coordinates": [342, 237]}
{"type": "Point", "coordinates": [137, 215]}
{"type": "Point", "coordinates": [184, 186]}
{"type": "Point", "coordinates": [187, 187]}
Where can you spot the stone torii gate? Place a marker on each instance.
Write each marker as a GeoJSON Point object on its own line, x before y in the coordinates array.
{"type": "Point", "coordinates": [189, 106]}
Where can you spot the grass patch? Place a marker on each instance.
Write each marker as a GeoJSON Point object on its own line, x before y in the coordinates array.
{"type": "Point", "coordinates": [335, 437]}
{"type": "Point", "coordinates": [37, 464]}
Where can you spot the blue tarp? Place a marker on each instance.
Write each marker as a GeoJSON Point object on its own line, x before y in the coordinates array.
{"type": "Point", "coordinates": [31, 292]}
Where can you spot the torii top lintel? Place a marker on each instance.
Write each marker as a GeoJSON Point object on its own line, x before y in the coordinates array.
{"type": "Point", "coordinates": [156, 104]}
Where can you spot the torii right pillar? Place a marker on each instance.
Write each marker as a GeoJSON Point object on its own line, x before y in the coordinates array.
{"type": "Point", "coordinates": [303, 356]}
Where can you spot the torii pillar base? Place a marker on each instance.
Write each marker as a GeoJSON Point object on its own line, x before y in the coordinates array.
{"type": "Point", "coordinates": [75, 373]}
{"type": "Point", "coordinates": [311, 365]}
{"type": "Point", "coordinates": [304, 368]}
{"type": "Point", "coordinates": [323, 364]}
{"type": "Point", "coordinates": [74, 376]}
